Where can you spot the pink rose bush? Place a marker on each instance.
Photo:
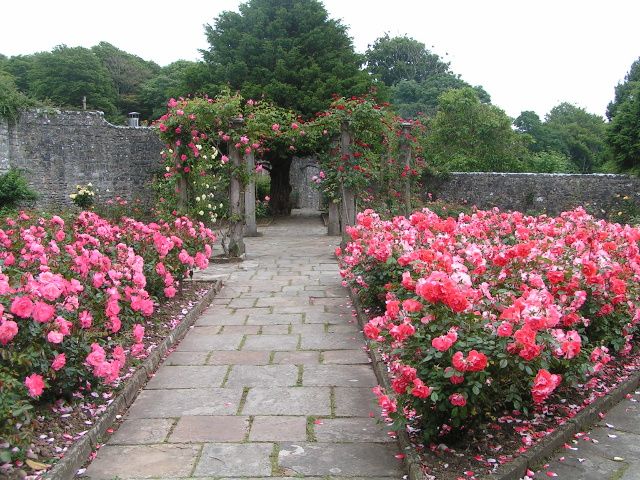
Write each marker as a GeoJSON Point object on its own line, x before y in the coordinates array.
{"type": "Point", "coordinates": [74, 295]}
{"type": "Point", "coordinates": [491, 311]}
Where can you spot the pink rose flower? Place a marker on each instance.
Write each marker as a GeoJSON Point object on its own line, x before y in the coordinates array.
{"type": "Point", "coordinates": [42, 312]}
{"type": "Point", "coordinates": [138, 333]}
{"type": "Point", "coordinates": [22, 307]}
{"type": "Point", "coordinates": [8, 330]}
{"type": "Point", "coordinates": [55, 337]}
{"type": "Point", "coordinates": [59, 361]}
{"type": "Point", "coordinates": [457, 400]}
{"type": "Point", "coordinates": [35, 385]}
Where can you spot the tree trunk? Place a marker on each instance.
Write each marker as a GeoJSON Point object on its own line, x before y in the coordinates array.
{"type": "Point", "coordinates": [280, 191]}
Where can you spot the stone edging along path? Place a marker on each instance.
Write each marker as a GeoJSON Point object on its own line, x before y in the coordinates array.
{"type": "Point", "coordinates": [532, 458]}
{"type": "Point", "coordinates": [77, 455]}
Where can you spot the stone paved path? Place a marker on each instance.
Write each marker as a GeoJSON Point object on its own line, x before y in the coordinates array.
{"type": "Point", "coordinates": [609, 451]}
{"type": "Point", "coordinates": [271, 382]}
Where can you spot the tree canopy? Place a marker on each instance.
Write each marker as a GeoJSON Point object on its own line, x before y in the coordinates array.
{"type": "Point", "coordinates": [397, 59]}
{"type": "Point", "coordinates": [416, 76]}
{"type": "Point", "coordinates": [128, 72]}
{"type": "Point", "coordinates": [623, 134]}
{"type": "Point", "coordinates": [67, 74]}
{"type": "Point", "coordinates": [288, 51]}
{"type": "Point", "coordinates": [581, 135]}
{"type": "Point", "coordinates": [467, 135]}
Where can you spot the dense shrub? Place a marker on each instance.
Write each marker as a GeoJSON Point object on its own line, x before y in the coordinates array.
{"type": "Point", "coordinates": [14, 190]}
{"type": "Point", "coordinates": [492, 311]}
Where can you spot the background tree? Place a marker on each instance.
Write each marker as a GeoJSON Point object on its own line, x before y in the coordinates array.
{"type": "Point", "coordinates": [469, 136]}
{"type": "Point", "coordinates": [411, 98]}
{"type": "Point", "coordinates": [580, 135]}
{"type": "Point", "coordinates": [11, 100]}
{"type": "Point", "coordinates": [542, 137]}
{"type": "Point", "coordinates": [128, 72]}
{"type": "Point", "coordinates": [394, 59]}
{"type": "Point", "coordinates": [288, 51]}
{"type": "Point", "coordinates": [416, 76]}
{"type": "Point", "coordinates": [172, 81]}
{"type": "Point", "coordinates": [66, 75]}
{"type": "Point", "coordinates": [623, 134]}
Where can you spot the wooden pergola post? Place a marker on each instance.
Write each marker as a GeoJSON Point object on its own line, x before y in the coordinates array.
{"type": "Point", "coordinates": [251, 227]}
{"type": "Point", "coordinates": [348, 204]}
{"type": "Point", "coordinates": [405, 149]}
{"type": "Point", "coordinates": [333, 227]}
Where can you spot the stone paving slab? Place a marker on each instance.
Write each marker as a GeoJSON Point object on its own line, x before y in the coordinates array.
{"type": "Point", "coordinates": [255, 376]}
{"type": "Point", "coordinates": [250, 459]}
{"type": "Point", "coordinates": [278, 429]}
{"type": "Point", "coordinates": [355, 402]}
{"type": "Point", "coordinates": [297, 358]}
{"type": "Point", "coordinates": [187, 377]}
{"type": "Point", "coordinates": [142, 431]}
{"type": "Point", "coordinates": [179, 402]}
{"type": "Point", "coordinates": [275, 329]}
{"type": "Point", "coordinates": [346, 459]}
{"type": "Point", "coordinates": [351, 430]}
{"type": "Point", "coordinates": [143, 461]}
{"type": "Point", "coordinates": [339, 376]}
{"type": "Point", "coordinates": [318, 315]}
{"type": "Point", "coordinates": [345, 357]}
{"type": "Point", "coordinates": [274, 319]}
{"type": "Point", "coordinates": [217, 428]}
{"type": "Point", "coordinates": [243, 357]}
{"type": "Point", "coordinates": [331, 341]}
{"type": "Point", "coordinates": [222, 319]}
{"type": "Point", "coordinates": [271, 342]}
{"type": "Point", "coordinates": [207, 343]}
{"type": "Point", "coordinates": [288, 401]}
{"type": "Point", "coordinates": [187, 358]}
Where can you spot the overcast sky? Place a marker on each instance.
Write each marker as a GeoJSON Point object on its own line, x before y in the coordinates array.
{"type": "Point", "coordinates": [529, 55]}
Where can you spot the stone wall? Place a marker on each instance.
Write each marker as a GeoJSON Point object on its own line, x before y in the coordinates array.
{"type": "Point", "coordinates": [59, 150]}
{"type": "Point", "coordinates": [303, 191]}
{"type": "Point", "coordinates": [537, 192]}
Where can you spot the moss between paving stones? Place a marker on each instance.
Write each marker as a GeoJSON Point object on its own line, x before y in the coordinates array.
{"type": "Point", "coordinates": [77, 455]}
{"type": "Point", "coordinates": [535, 456]}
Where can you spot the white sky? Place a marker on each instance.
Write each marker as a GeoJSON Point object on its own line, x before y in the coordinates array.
{"type": "Point", "coordinates": [529, 55]}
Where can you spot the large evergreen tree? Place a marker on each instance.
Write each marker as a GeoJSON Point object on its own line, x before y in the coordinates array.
{"type": "Point", "coordinates": [288, 51]}
{"type": "Point", "coordinates": [623, 134]}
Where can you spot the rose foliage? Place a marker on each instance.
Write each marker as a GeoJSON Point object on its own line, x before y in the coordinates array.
{"type": "Point", "coordinates": [73, 297]}
{"type": "Point", "coordinates": [492, 311]}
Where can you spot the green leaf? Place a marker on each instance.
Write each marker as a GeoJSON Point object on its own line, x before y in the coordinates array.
{"type": "Point", "coordinates": [503, 363]}
{"type": "Point", "coordinates": [5, 456]}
